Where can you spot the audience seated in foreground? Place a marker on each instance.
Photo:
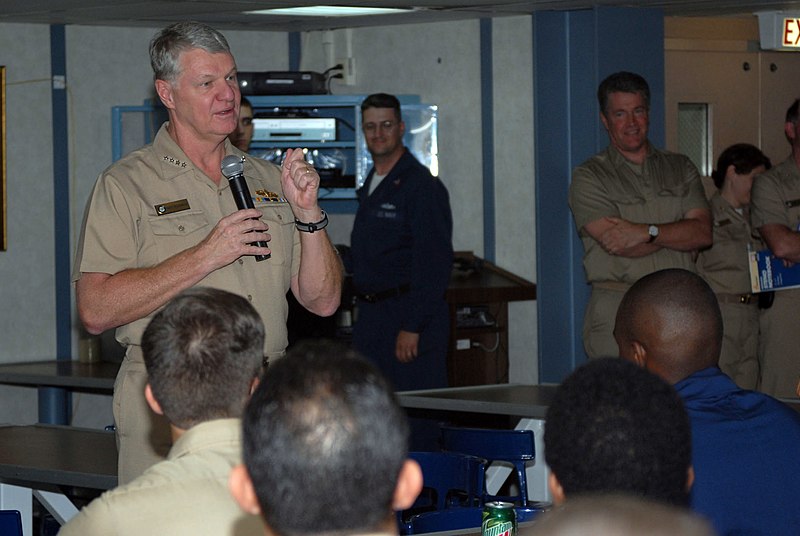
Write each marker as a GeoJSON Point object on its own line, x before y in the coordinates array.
{"type": "Point", "coordinates": [325, 447]}
{"type": "Point", "coordinates": [613, 427]}
{"type": "Point", "coordinates": [745, 444]}
{"type": "Point", "coordinates": [618, 515]}
{"type": "Point", "coordinates": [203, 353]}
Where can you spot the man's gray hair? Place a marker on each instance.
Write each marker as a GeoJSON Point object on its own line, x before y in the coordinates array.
{"type": "Point", "coordinates": [168, 44]}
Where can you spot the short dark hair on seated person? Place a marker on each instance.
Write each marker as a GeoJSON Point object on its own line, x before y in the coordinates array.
{"type": "Point", "coordinates": [202, 352]}
{"type": "Point", "coordinates": [381, 100]}
{"type": "Point", "coordinates": [324, 441]}
{"type": "Point", "coordinates": [615, 427]}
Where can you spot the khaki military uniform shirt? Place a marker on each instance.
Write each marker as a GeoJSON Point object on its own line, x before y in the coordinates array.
{"type": "Point", "coordinates": [187, 494]}
{"type": "Point", "coordinates": [663, 190]}
{"type": "Point", "coordinates": [775, 198]}
{"type": "Point", "coordinates": [725, 267]}
{"type": "Point", "coordinates": [154, 203]}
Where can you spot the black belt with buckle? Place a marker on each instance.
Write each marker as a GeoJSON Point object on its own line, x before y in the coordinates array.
{"type": "Point", "coordinates": [375, 297]}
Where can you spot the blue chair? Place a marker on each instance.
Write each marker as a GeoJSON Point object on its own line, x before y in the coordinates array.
{"type": "Point", "coordinates": [10, 523]}
{"type": "Point", "coordinates": [511, 446]}
{"type": "Point", "coordinates": [449, 479]}
{"type": "Point", "coordinates": [459, 518]}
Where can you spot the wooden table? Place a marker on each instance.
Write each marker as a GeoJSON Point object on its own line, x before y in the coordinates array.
{"type": "Point", "coordinates": [39, 460]}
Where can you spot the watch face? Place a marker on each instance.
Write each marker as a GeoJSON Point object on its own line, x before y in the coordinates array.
{"type": "Point", "coordinates": [653, 231]}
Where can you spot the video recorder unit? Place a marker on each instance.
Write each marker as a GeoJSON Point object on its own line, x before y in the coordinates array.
{"type": "Point", "coordinates": [281, 83]}
{"type": "Point", "coordinates": [294, 128]}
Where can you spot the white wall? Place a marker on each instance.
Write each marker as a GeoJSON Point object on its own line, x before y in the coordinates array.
{"type": "Point", "coordinates": [109, 66]}
{"type": "Point", "coordinates": [27, 268]}
{"type": "Point", "coordinates": [514, 186]}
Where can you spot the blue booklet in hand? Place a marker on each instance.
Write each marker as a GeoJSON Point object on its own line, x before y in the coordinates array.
{"type": "Point", "coordinates": [768, 272]}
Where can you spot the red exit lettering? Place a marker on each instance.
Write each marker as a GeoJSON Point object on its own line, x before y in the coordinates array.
{"type": "Point", "coordinates": [791, 32]}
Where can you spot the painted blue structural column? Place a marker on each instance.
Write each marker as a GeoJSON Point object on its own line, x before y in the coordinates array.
{"type": "Point", "coordinates": [487, 137]}
{"type": "Point", "coordinates": [295, 51]}
{"type": "Point", "coordinates": [53, 402]}
{"type": "Point", "coordinates": [573, 52]}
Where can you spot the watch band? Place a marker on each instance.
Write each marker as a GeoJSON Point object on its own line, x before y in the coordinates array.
{"type": "Point", "coordinates": [312, 227]}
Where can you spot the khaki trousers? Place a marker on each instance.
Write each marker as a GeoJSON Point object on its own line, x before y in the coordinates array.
{"type": "Point", "coordinates": [598, 322]}
{"type": "Point", "coordinates": [143, 436]}
{"type": "Point", "coordinates": [779, 344]}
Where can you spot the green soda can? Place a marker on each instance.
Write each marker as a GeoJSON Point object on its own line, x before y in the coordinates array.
{"type": "Point", "coordinates": [499, 519]}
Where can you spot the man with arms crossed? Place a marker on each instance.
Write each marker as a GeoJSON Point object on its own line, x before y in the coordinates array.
{"type": "Point", "coordinates": [775, 213]}
{"type": "Point", "coordinates": [637, 209]}
{"type": "Point", "coordinates": [161, 220]}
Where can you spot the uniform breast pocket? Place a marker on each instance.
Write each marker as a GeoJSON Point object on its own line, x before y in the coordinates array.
{"type": "Point", "coordinates": [280, 218]}
{"type": "Point", "coordinates": [174, 233]}
{"type": "Point", "coordinates": [793, 210]}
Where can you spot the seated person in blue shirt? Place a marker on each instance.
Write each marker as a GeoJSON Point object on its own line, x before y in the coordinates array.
{"type": "Point", "coordinates": [203, 352]}
{"type": "Point", "coordinates": [613, 427]}
{"type": "Point", "coordinates": [325, 447]}
{"type": "Point", "coordinates": [745, 444]}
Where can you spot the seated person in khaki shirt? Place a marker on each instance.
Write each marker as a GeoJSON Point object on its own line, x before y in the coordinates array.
{"type": "Point", "coordinates": [325, 429]}
{"type": "Point", "coordinates": [203, 353]}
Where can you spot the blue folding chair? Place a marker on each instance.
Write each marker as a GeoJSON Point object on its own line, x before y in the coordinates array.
{"type": "Point", "coordinates": [511, 446]}
{"type": "Point", "coordinates": [449, 479]}
{"type": "Point", "coordinates": [459, 518]}
{"type": "Point", "coordinates": [10, 523]}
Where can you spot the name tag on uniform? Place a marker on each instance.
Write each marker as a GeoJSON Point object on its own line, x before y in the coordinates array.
{"type": "Point", "coordinates": [172, 207]}
{"type": "Point", "coordinates": [722, 223]}
{"type": "Point", "coordinates": [792, 203]}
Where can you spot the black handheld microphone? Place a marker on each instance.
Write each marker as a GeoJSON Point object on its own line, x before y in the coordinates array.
{"type": "Point", "coordinates": [233, 169]}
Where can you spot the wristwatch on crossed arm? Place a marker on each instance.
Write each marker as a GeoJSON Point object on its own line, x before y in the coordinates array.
{"type": "Point", "coordinates": [652, 230]}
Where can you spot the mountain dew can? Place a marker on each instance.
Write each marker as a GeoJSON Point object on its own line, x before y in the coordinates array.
{"type": "Point", "coordinates": [499, 519]}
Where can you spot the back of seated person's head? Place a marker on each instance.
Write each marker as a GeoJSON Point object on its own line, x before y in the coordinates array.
{"type": "Point", "coordinates": [202, 352]}
{"type": "Point", "coordinates": [325, 446]}
{"type": "Point", "coordinates": [618, 515]}
{"type": "Point", "coordinates": [670, 323]}
{"type": "Point", "coordinates": [614, 427]}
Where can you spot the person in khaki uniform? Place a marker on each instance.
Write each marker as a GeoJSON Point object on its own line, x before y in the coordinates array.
{"type": "Point", "coordinates": [725, 264]}
{"type": "Point", "coordinates": [161, 220]}
{"type": "Point", "coordinates": [203, 353]}
{"type": "Point", "coordinates": [637, 209]}
{"type": "Point", "coordinates": [775, 213]}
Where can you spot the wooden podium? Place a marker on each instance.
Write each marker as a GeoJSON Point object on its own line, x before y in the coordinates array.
{"type": "Point", "coordinates": [478, 297]}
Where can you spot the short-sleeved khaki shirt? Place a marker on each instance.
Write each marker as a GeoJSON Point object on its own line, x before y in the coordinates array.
{"type": "Point", "coordinates": [663, 190]}
{"type": "Point", "coordinates": [725, 265]}
{"type": "Point", "coordinates": [775, 197]}
{"type": "Point", "coordinates": [154, 203]}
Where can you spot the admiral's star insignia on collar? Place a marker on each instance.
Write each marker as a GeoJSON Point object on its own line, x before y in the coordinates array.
{"type": "Point", "coordinates": [175, 161]}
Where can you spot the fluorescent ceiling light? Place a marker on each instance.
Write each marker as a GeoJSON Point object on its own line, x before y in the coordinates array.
{"type": "Point", "coordinates": [328, 11]}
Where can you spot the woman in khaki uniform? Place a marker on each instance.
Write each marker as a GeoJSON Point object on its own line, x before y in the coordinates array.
{"type": "Point", "coordinates": [725, 264]}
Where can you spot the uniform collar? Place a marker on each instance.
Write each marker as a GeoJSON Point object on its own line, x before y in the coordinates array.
{"type": "Point", "coordinates": [173, 160]}
{"type": "Point", "coordinates": [206, 435]}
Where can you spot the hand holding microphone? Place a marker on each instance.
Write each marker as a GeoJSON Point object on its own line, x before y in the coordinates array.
{"type": "Point", "coordinates": [233, 169]}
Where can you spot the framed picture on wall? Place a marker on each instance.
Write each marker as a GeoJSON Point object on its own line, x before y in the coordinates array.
{"type": "Point", "coordinates": [3, 233]}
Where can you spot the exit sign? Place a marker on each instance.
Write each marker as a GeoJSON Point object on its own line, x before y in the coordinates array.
{"type": "Point", "coordinates": [791, 33]}
{"type": "Point", "coordinates": [779, 30]}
